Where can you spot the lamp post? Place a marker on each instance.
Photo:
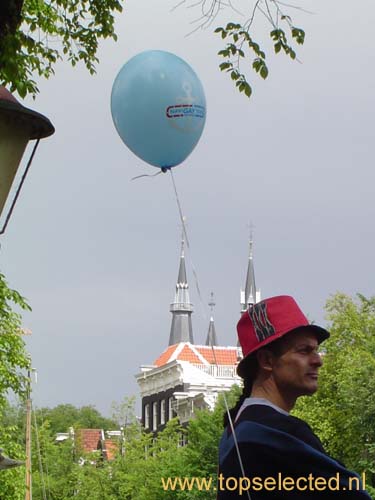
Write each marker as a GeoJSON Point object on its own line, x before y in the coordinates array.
{"type": "Point", "coordinates": [18, 126]}
{"type": "Point", "coordinates": [8, 463]}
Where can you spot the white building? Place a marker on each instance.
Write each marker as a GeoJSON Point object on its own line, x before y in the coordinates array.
{"type": "Point", "coordinates": [187, 377]}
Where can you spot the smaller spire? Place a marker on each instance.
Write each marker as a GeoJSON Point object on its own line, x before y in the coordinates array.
{"type": "Point", "coordinates": [249, 295]}
{"type": "Point", "coordinates": [211, 335]}
{"type": "Point", "coordinates": [182, 279]}
{"type": "Point", "coordinates": [251, 245]}
{"type": "Point", "coordinates": [181, 308]}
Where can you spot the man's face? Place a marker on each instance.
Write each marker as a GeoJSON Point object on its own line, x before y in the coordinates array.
{"type": "Point", "coordinates": [295, 372]}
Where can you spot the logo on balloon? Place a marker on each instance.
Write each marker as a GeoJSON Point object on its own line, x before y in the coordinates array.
{"type": "Point", "coordinates": [182, 110]}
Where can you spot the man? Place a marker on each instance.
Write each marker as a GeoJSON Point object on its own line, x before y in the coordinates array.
{"type": "Point", "coordinates": [271, 454]}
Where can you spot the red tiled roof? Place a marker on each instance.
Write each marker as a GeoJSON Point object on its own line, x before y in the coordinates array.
{"type": "Point", "coordinates": [165, 356]}
{"type": "Point", "coordinates": [189, 352]}
{"type": "Point", "coordinates": [223, 356]}
{"type": "Point", "coordinates": [88, 439]}
{"type": "Point", "coordinates": [111, 448]}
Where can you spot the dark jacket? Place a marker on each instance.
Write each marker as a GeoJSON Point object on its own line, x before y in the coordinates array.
{"type": "Point", "coordinates": [282, 459]}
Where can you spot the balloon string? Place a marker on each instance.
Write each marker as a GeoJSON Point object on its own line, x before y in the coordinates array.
{"type": "Point", "coordinates": [212, 347]}
{"type": "Point", "coordinates": [188, 245]}
{"type": "Point", "coordinates": [146, 175]}
{"type": "Point", "coordinates": [231, 426]}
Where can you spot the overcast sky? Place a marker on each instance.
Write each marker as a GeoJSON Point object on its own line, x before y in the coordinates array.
{"type": "Point", "coordinates": [97, 255]}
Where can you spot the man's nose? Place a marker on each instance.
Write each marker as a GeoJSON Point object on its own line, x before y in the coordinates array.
{"type": "Point", "coordinates": [317, 359]}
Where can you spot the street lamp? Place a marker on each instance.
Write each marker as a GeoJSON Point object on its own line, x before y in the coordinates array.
{"type": "Point", "coordinates": [18, 125]}
{"type": "Point", "coordinates": [8, 463]}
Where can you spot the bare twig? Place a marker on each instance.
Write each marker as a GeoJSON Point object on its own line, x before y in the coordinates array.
{"type": "Point", "coordinates": [248, 23]}
{"type": "Point", "coordinates": [177, 5]}
{"type": "Point", "coordinates": [270, 15]}
{"type": "Point", "coordinates": [265, 14]}
{"type": "Point", "coordinates": [294, 7]}
{"type": "Point", "coordinates": [234, 8]}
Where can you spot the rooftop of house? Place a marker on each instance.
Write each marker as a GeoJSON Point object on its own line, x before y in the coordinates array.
{"type": "Point", "coordinates": [88, 439]}
{"type": "Point", "coordinates": [199, 354]}
{"type": "Point", "coordinates": [110, 447]}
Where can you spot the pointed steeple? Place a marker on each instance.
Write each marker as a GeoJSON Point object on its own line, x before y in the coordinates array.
{"type": "Point", "coordinates": [181, 308]}
{"type": "Point", "coordinates": [211, 335]}
{"type": "Point", "coordinates": [250, 295]}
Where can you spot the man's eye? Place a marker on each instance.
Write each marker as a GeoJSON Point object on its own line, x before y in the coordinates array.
{"type": "Point", "coordinates": [308, 350]}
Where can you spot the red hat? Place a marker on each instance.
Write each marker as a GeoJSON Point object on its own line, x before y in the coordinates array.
{"type": "Point", "coordinates": [269, 320]}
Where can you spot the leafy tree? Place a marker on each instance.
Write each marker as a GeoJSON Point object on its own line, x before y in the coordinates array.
{"type": "Point", "coordinates": [57, 470]}
{"type": "Point", "coordinates": [28, 28]}
{"type": "Point", "coordinates": [201, 453]}
{"type": "Point", "coordinates": [95, 483]}
{"type": "Point", "coordinates": [13, 363]}
{"type": "Point", "coordinates": [123, 413]}
{"type": "Point", "coordinates": [53, 465]}
{"type": "Point", "coordinates": [90, 418]}
{"type": "Point", "coordinates": [64, 416]}
{"type": "Point", "coordinates": [59, 474]}
{"type": "Point", "coordinates": [343, 410]}
{"type": "Point", "coordinates": [137, 475]}
{"type": "Point", "coordinates": [13, 356]}
{"type": "Point", "coordinates": [241, 45]}
{"type": "Point", "coordinates": [12, 481]}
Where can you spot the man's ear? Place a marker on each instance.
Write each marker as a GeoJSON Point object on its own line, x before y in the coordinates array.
{"type": "Point", "coordinates": [265, 360]}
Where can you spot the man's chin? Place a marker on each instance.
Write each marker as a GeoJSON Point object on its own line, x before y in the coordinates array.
{"type": "Point", "coordinates": [311, 390]}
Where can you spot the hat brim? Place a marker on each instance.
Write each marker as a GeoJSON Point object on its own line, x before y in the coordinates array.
{"type": "Point", "coordinates": [246, 365]}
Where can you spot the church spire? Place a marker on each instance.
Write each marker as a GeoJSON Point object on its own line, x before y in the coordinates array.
{"type": "Point", "coordinates": [181, 308]}
{"type": "Point", "coordinates": [250, 295]}
{"type": "Point", "coordinates": [211, 335]}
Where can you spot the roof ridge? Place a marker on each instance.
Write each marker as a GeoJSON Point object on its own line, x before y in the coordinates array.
{"type": "Point", "coordinates": [215, 346]}
{"type": "Point", "coordinates": [199, 355]}
{"type": "Point", "coordinates": [177, 351]}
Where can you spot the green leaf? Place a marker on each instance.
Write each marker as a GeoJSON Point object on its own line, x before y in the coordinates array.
{"type": "Point", "coordinates": [257, 63]}
{"type": "Point", "coordinates": [275, 34]}
{"type": "Point", "coordinates": [233, 26]}
{"type": "Point", "coordinates": [225, 65]}
{"type": "Point", "coordinates": [298, 34]}
{"type": "Point", "coordinates": [248, 90]}
{"type": "Point", "coordinates": [224, 53]}
{"type": "Point", "coordinates": [264, 71]}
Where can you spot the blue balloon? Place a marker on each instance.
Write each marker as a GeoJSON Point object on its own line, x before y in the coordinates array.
{"type": "Point", "coordinates": [158, 107]}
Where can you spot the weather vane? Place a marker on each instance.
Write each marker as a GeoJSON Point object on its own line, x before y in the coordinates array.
{"type": "Point", "coordinates": [212, 302]}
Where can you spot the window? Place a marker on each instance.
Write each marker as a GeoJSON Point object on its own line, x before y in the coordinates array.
{"type": "Point", "coordinates": [147, 416]}
{"type": "Point", "coordinates": [182, 441]}
{"type": "Point", "coordinates": [154, 416]}
{"type": "Point", "coordinates": [162, 412]}
{"type": "Point", "coordinates": [170, 409]}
